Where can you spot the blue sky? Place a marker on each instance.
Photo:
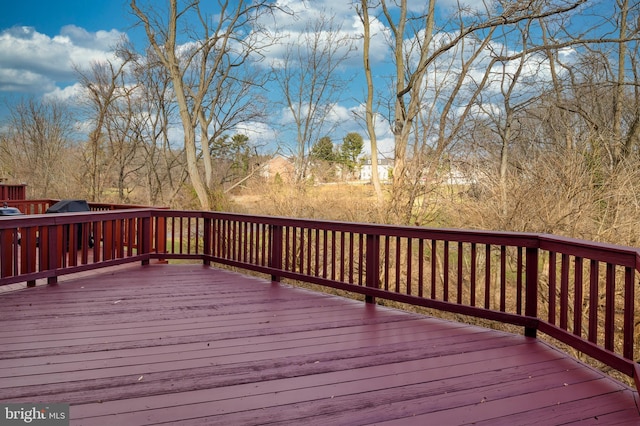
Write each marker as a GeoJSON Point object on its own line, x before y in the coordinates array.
{"type": "Point", "coordinates": [49, 16]}
{"type": "Point", "coordinates": [42, 40]}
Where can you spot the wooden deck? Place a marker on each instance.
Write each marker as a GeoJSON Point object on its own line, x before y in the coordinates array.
{"type": "Point", "coordinates": [188, 344]}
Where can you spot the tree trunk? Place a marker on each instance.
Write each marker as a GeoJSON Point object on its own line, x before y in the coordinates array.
{"type": "Point", "coordinates": [369, 115]}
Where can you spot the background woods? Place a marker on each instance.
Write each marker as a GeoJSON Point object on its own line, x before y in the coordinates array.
{"type": "Point", "coordinates": [511, 115]}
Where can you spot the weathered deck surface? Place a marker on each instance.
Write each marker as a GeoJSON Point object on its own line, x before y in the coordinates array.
{"type": "Point", "coordinates": [187, 344]}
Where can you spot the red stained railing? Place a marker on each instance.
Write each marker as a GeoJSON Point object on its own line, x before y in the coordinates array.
{"type": "Point", "coordinates": [579, 292]}
{"type": "Point", "coordinates": [49, 245]}
{"type": "Point", "coordinates": [41, 206]}
{"type": "Point", "coordinates": [13, 191]}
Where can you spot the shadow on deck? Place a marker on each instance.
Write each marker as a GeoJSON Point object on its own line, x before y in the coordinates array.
{"type": "Point", "coordinates": [198, 345]}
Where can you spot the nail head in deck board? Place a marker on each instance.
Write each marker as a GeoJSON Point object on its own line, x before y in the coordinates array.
{"type": "Point", "coordinates": [219, 347]}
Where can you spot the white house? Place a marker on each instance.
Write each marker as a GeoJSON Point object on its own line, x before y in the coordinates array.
{"type": "Point", "coordinates": [385, 167]}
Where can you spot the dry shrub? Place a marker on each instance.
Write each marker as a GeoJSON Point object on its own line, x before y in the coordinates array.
{"type": "Point", "coordinates": [341, 201]}
{"type": "Point", "coordinates": [557, 194]}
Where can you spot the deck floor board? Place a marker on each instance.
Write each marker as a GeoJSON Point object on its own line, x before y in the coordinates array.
{"type": "Point", "coordinates": [189, 344]}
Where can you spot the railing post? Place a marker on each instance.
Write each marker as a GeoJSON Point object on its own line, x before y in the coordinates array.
{"type": "Point", "coordinates": [54, 251]}
{"type": "Point", "coordinates": [108, 240]}
{"type": "Point", "coordinates": [146, 235]}
{"type": "Point", "coordinates": [28, 252]}
{"type": "Point", "coordinates": [275, 254]}
{"type": "Point", "coordinates": [531, 293]}
{"type": "Point", "coordinates": [372, 266]}
{"type": "Point", "coordinates": [629, 313]}
{"type": "Point", "coordinates": [159, 236]}
{"type": "Point", "coordinates": [207, 241]}
{"type": "Point", "coordinates": [7, 245]}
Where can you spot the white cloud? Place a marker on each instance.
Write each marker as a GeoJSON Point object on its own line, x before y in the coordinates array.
{"type": "Point", "coordinates": [99, 41]}
{"type": "Point", "coordinates": [259, 134]}
{"type": "Point", "coordinates": [384, 137]}
{"type": "Point", "coordinates": [309, 10]}
{"type": "Point", "coordinates": [24, 81]}
{"type": "Point", "coordinates": [339, 114]}
{"type": "Point", "coordinates": [291, 29]}
{"type": "Point", "coordinates": [69, 93]}
{"type": "Point", "coordinates": [379, 49]}
{"type": "Point", "coordinates": [468, 7]}
{"type": "Point", "coordinates": [36, 63]}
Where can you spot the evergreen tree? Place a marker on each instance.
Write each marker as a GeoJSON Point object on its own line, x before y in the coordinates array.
{"type": "Point", "coordinates": [351, 150]}
{"type": "Point", "coordinates": [323, 150]}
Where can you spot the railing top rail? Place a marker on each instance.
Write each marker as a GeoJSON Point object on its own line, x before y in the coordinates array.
{"type": "Point", "coordinates": [462, 235]}
{"type": "Point", "coordinates": [71, 217]}
{"type": "Point", "coordinates": [604, 252]}
{"type": "Point", "coordinates": [92, 205]}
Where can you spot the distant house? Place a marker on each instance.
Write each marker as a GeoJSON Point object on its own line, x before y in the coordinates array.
{"type": "Point", "coordinates": [385, 168]}
{"type": "Point", "coordinates": [456, 176]}
{"type": "Point", "coordinates": [278, 167]}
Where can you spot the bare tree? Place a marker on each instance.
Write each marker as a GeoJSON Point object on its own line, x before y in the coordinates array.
{"type": "Point", "coordinates": [308, 77]}
{"type": "Point", "coordinates": [556, 130]}
{"type": "Point", "coordinates": [201, 50]}
{"type": "Point", "coordinates": [106, 89]}
{"type": "Point", "coordinates": [622, 70]}
{"type": "Point", "coordinates": [164, 172]}
{"type": "Point", "coordinates": [597, 88]}
{"type": "Point", "coordinates": [123, 143]}
{"type": "Point", "coordinates": [408, 83]}
{"type": "Point", "coordinates": [35, 144]}
{"type": "Point", "coordinates": [418, 54]}
{"type": "Point", "coordinates": [369, 114]}
{"type": "Point", "coordinates": [514, 95]}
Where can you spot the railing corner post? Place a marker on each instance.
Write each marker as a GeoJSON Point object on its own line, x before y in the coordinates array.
{"type": "Point", "coordinates": [54, 251]}
{"type": "Point", "coordinates": [6, 251]}
{"type": "Point", "coordinates": [531, 293]}
{"type": "Point", "coordinates": [145, 247]}
{"type": "Point", "coordinates": [275, 254]}
{"type": "Point", "coordinates": [372, 267]}
{"type": "Point", "coordinates": [207, 234]}
{"type": "Point", "coordinates": [159, 235]}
